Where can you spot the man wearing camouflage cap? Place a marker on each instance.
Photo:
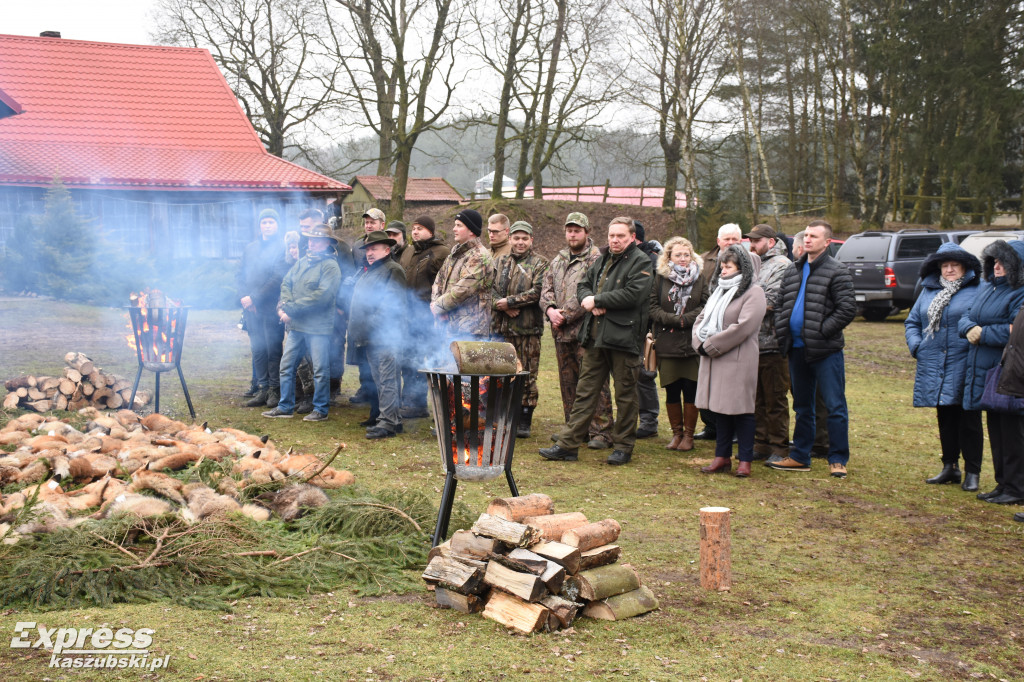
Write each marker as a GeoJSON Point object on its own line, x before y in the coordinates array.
{"type": "Point", "coordinates": [560, 305]}
{"type": "Point", "coordinates": [515, 315]}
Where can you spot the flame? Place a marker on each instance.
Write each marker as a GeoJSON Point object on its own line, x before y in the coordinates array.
{"type": "Point", "coordinates": [157, 335]}
{"type": "Point", "coordinates": [467, 407]}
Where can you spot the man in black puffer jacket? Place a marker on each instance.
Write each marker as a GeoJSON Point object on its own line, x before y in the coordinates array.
{"type": "Point", "coordinates": [818, 302]}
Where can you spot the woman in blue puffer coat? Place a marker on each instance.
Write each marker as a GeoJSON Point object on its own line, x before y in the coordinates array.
{"type": "Point", "coordinates": [949, 280]}
{"type": "Point", "coordinates": [987, 327]}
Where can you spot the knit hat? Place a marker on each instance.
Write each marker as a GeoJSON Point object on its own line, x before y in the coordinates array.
{"type": "Point", "coordinates": [521, 226]}
{"type": "Point", "coordinates": [291, 237]}
{"type": "Point", "coordinates": [472, 220]}
{"type": "Point", "coordinates": [427, 222]}
{"type": "Point", "coordinates": [268, 213]}
{"type": "Point", "coordinates": [639, 230]}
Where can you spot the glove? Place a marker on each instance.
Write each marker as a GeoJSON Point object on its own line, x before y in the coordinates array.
{"type": "Point", "coordinates": [974, 334]}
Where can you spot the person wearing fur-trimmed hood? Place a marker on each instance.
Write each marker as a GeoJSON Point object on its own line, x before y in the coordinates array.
{"type": "Point", "coordinates": [949, 281]}
{"type": "Point", "coordinates": [986, 325]}
{"type": "Point", "coordinates": [725, 335]}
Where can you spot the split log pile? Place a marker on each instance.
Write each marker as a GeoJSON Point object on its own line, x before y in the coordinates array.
{"type": "Point", "coordinates": [530, 569]}
{"type": "Point", "coordinates": [118, 464]}
{"type": "Point", "coordinates": [81, 384]}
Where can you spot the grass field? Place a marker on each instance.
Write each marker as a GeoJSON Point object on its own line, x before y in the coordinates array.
{"type": "Point", "coordinates": [875, 577]}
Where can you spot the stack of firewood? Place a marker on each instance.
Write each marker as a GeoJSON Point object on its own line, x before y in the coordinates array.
{"type": "Point", "coordinates": [530, 569]}
{"type": "Point", "coordinates": [81, 384]}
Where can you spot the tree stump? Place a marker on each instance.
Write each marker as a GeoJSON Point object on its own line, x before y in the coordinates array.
{"type": "Point", "coordinates": [715, 549]}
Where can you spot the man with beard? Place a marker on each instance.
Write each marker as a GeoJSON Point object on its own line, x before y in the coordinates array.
{"type": "Point", "coordinates": [259, 286]}
{"type": "Point", "coordinates": [560, 305]}
{"type": "Point", "coordinates": [421, 261]}
{"type": "Point", "coordinates": [516, 316]}
{"type": "Point", "coordinates": [308, 296]}
{"type": "Point", "coordinates": [615, 295]}
{"type": "Point", "coordinates": [377, 329]}
{"type": "Point", "coordinates": [461, 296]}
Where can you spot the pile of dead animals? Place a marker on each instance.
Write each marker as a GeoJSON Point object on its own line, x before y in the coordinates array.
{"type": "Point", "coordinates": [117, 465]}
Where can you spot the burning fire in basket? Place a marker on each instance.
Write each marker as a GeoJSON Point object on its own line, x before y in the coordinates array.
{"type": "Point", "coordinates": [464, 396]}
{"type": "Point", "coordinates": [155, 329]}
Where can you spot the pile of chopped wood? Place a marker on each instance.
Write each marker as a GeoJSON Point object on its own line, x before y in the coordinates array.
{"type": "Point", "coordinates": [81, 384]}
{"type": "Point", "coordinates": [118, 464]}
{"type": "Point", "coordinates": [530, 569]}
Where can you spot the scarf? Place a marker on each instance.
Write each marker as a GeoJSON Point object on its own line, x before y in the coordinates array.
{"type": "Point", "coordinates": [939, 304]}
{"type": "Point", "coordinates": [682, 279]}
{"type": "Point", "coordinates": [714, 309]}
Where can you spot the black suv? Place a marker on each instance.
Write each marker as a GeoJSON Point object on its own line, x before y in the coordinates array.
{"type": "Point", "coordinates": [884, 266]}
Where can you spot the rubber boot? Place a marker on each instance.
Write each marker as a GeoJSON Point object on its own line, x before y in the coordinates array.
{"type": "Point", "coordinates": [525, 422]}
{"type": "Point", "coordinates": [675, 422]}
{"type": "Point", "coordinates": [690, 413]}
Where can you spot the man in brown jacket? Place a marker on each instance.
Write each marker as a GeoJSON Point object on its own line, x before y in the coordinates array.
{"type": "Point", "coordinates": [560, 305]}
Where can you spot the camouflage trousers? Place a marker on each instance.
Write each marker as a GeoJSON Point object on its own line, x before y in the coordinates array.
{"type": "Point", "coordinates": [569, 356]}
{"type": "Point", "coordinates": [528, 350]}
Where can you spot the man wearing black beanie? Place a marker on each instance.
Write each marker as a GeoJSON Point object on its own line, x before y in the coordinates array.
{"type": "Point", "coordinates": [461, 295]}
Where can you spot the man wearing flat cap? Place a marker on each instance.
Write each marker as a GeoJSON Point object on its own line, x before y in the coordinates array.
{"type": "Point", "coordinates": [396, 231]}
{"type": "Point", "coordinates": [421, 262]}
{"type": "Point", "coordinates": [306, 308]}
{"type": "Point", "coordinates": [516, 315]}
{"type": "Point", "coordinates": [771, 407]}
{"type": "Point", "coordinates": [461, 295]}
{"type": "Point", "coordinates": [562, 308]}
{"type": "Point", "coordinates": [376, 328]}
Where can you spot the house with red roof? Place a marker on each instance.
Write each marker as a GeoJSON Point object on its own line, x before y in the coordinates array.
{"type": "Point", "coordinates": [151, 142]}
{"type": "Point", "coordinates": [374, 191]}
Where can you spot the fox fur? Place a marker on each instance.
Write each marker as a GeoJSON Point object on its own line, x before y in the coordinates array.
{"type": "Point", "coordinates": [161, 484]}
{"type": "Point", "coordinates": [204, 502]}
{"type": "Point", "coordinates": [139, 505]}
{"type": "Point", "coordinates": [294, 501]}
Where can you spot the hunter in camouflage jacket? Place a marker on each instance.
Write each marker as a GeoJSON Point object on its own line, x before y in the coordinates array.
{"type": "Point", "coordinates": [559, 289]}
{"type": "Point", "coordinates": [519, 279]}
{"type": "Point", "coordinates": [462, 289]}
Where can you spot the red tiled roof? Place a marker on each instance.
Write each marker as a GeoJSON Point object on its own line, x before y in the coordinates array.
{"type": "Point", "coordinates": [103, 115]}
{"type": "Point", "coordinates": [418, 189]}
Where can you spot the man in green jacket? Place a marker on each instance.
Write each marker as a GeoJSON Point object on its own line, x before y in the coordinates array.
{"type": "Point", "coordinates": [614, 293]}
{"type": "Point", "coordinates": [307, 310]}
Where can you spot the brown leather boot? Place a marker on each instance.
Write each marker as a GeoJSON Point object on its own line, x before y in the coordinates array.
{"type": "Point", "coordinates": [690, 413]}
{"type": "Point", "coordinates": [719, 465]}
{"type": "Point", "coordinates": [743, 470]}
{"type": "Point", "coordinates": [675, 421]}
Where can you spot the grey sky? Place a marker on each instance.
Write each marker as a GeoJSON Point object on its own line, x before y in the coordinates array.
{"type": "Point", "coordinates": [114, 21]}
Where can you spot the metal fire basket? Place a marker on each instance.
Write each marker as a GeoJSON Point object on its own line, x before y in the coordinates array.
{"type": "Point", "coordinates": [158, 341]}
{"type": "Point", "coordinates": [476, 417]}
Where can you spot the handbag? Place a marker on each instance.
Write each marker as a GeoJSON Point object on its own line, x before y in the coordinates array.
{"type": "Point", "coordinates": [650, 355]}
{"type": "Point", "coordinates": [993, 400]}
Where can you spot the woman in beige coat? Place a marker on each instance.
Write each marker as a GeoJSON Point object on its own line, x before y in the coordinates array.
{"type": "Point", "coordinates": [725, 335]}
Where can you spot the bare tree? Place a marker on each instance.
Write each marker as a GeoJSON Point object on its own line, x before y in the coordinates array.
{"type": "Point", "coordinates": [400, 56]}
{"type": "Point", "coordinates": [679, 67]}
{"type": "Point", "coordinates": [272, 55]}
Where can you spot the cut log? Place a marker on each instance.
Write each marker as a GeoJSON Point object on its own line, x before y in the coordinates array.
{"type": "Point", "coordinates": [526, 586]}
{"type": "Point", "coordinates": [72, 374]}
{"type": "Point", "coordinates": [79, 362]}
{"type": "Point", "coordinates": [67, 387]}
{"type": "Point", "coordinates": [607, 581]}
{"type": "Point", "coordinates": [114, 400]}
{"type": "Point", "coordinates": [100, 395]}
{"type": "Point", "coordinates": [552, 526]}
{"type": "Point", "coordinates": [46, 383]}
{"type": "Point", "coordinates": [518, 508]}
{"type": "Point", "coordinates": [567, 556]}
{"type": "Point", "coordinates": [36, 394]}
{"type": "Point", "coordinates": [123, 385]}
{"type": "Point", "coordinates": [461, 576]}
{"type": "Point", "coordinates": [22, 392]}
{"type": "Point", "coordinates": [515, 613]}
{"type": "Point", "coordinates": [626, 605]}
{"type": "Point", "coordinates": [444, 549]}
{"type": "Point", "coordinates": [109, 379]}
{"type": "Point", "coordinates": [570, 588]}
{"type": "Point", "coordinates": [520, 559]}
{"type": "Point", "coordinates": [599, 556]}
{"type": "Point", "coordinates": [37, 405]}
{"type": "Point", "coordinates": [485, 357]}
{"type": "Point", "coordinates": [87, 388]}
{"type": "Point", "coordinates": [562, 611]}
{"type": "Point", "coordinates": [27, 381]}
{"type": "Point", "coordinates": [467, 543]}
{"type": "Point", "coordinates": [551, 574]}
{"type": "Point", "coordinates": [11, 401]}
{"type": "Point", "coordinates": [592, 535]}
{"type": "Point", "coordinates": [466, 603]}
{"type": "Point", "coordinates": [515, 534]}
{"type": "Point", "coordinates": [60, 402]}
{"type": "Point", "coordinates": [75, 405]}
{"type": "Point", "coordinates": [715, 549]}
{"type": "Point", "coordinates": [95, 378]}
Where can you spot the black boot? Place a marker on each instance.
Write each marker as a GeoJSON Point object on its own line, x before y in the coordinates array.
{"type": "Point", "coordinates": [525, 422]}
{"type": "Point", "coordinates": [970, 483]}
{"type": "Point", "coordinates": [258, 400]}
{"type": "Point", "coordinates": [950, 474]}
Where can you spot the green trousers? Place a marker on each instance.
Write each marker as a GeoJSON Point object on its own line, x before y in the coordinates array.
{"type": "Point", "coordinates": [598, 364]}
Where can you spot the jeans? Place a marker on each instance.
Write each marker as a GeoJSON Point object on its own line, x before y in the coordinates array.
{"type": "Point", "coordinates": [829, 376]}
{"type": "Point", "coordinates": [296, 345]}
